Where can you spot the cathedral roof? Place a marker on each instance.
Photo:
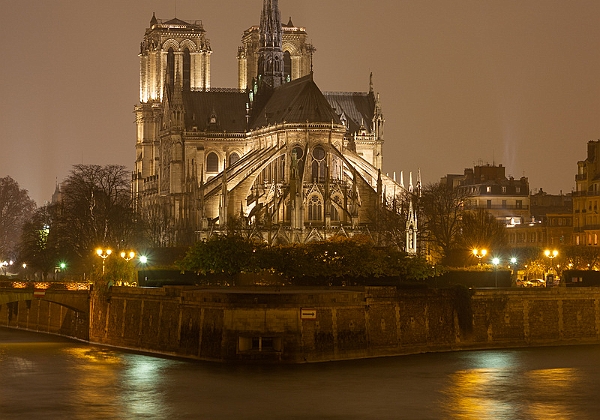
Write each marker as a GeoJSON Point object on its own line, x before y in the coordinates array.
{"type": "Point", "coordinates": [299, 101]}
{"type": "Point", "coordinates": [357, 107]}
{"type": "Point", "coordinates": [227, 107]}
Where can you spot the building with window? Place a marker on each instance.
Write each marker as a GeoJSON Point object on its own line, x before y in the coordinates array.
{"type": "Point", "coordinates": [586, 198]}
{"type": "Point", "coordinates": [275, 156]}
{"type": "Point", "coordinates": [488, 188]}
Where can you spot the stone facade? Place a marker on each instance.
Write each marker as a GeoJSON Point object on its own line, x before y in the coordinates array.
{"type": "Point", "coordinates": [277, 157]}
{"type": "Point", "coordinates": [586, 198]}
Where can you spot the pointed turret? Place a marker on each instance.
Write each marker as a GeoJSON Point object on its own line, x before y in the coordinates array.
{"type": "Point", "coordinates": [270, 61]}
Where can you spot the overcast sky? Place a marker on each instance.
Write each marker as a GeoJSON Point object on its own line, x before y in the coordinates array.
{"type": "Point", "coordinates": [462, 82]}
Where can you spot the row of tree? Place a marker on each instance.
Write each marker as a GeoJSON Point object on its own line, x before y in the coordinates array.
{"type": "Point", "coordinates": [339, 257]}
{"type": "Point", "coordinates": [95, 208]}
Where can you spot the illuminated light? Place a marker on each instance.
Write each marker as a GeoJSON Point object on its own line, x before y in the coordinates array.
{"type": "Point", "coordinates": [77, 286]}
{"type": "Point", "coordinates": [496, 261]}
{"type": "Point", "coordinates": [127, 256]}
{"type": "Point", "coordinates": [513, 260]}
{"type": "Point", "coordinates": [19, 285]}
{"type": "Point", "coordinates": [41, 285]}
{"type": "Point", "coordinates": [143, 259]}
{"type": "Point", "coordinates": [103, 253]}
{"type": "Point", "coordinates": [479, 254]}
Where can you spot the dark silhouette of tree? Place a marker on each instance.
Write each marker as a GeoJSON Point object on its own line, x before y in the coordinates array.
{"type": "Point", "coordinates": [95, 211]}
{"type": "Point", "coordinates": [443, 209]}
{"type": "Point", "coordinates": [40, 244]}
{"type": "Point", "coordinates": [336, 258]}
{"type": "Point", "coordinates": [480, 229]}
{"type": "Point", "coordinates": [15, 208]}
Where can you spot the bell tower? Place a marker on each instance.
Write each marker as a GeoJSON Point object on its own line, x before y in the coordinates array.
{"type": "Point", "coordinates": [171, 50]}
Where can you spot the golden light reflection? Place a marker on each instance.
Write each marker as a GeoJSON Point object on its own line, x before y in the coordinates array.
{"type": "Point", "coordinates": [41, 285]}
{"type": "Point", "coordinates": [19, 285]}
{"type": "Point", "coordinates": [548, 387]}
{"type": "Point", "coordinates": [77, 286]}
{"type": "Point", "coordinates": [504, 393]}
{"type": "Point", "coordinates": [471, 396]}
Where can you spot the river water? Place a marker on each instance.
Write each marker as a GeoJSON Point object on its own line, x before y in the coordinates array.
{"type": "Point", "coordinates": [47, 377]}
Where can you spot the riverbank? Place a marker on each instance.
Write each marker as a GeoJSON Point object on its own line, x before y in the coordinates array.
{"type": "Point", "coordinates": [298, 325]}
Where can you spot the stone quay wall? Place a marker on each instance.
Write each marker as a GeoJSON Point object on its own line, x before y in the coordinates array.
{"type": "Point", "coordinates": [45, 316]}
{"type": "Point", "coordinates": [311, 325]}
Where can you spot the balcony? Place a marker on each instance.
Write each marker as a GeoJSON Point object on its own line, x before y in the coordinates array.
{"type": "Point", "coordinates": [581, 177]}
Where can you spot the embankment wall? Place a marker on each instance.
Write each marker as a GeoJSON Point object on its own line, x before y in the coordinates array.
{"type": "Point", "coordinates": [44, 316]}
{"type": "Point", "coordinates": [302, 325]}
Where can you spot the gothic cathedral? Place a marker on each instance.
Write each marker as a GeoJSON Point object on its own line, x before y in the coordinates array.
{"type": "Point", "coordinates": [276, 157]}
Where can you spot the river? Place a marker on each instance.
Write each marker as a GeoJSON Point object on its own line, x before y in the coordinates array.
{"type": "Point", "coordinates": [48, 377]}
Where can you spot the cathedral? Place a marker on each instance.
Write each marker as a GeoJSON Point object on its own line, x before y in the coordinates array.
{"type": "Point", "coordinates": [276, 157]}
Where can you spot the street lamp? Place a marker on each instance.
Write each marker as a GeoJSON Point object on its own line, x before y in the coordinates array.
{"type": "Point", "coordinates": [143, 260]}
{"type": "Point", "coordinates": [479, 253]}
{"type": "Point", "coordinates": [551, 254]}
{"type": "Point", "coordinates": [496, 261]}
{"type": "Point", "coordinates": [103, 253]}
{"type": "Point", "coordinates": [127, 255]}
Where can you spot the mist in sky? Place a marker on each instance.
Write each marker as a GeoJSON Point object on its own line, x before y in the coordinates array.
{"type": "Point", "coordinates": [462, 82]}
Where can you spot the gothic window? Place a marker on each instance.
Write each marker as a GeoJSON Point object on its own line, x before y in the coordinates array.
{"type": "Point", "coordinates": [335, 215]}
{"type": "Point", "coordinates": [287, 65]}
{"type": "Point", "coordinates": [233, 158]}
{"type": "Point", "coordinates": [212, 163]}
{"type": "Point", "coordinates": [315, 209]}
{"type": "Point", "coordinates": [171, 67]}
{"type": "Point", "coordinates": [187, 84]}
{"type": "Point", "coordinates": [282, 168]}
{"type": "Point", "coordinates": [298, 153]}
{"type": "Point", "coordinates": [318, 164]}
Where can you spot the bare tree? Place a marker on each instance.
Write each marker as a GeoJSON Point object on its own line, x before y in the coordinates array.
{"type": "Point", "coordinates": [96, 210]}
{"type": "Point", "coordinates": [443, 209]}
{"type": "Point", "coordinates": [480, 229]}
{"type": "Point", "coordinates": [15, 208]}
{"type": "Point", "coordinates": [39, 245]}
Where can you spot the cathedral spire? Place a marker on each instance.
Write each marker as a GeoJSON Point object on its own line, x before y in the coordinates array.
{"type": "Point", "coordinates": [270, 61]}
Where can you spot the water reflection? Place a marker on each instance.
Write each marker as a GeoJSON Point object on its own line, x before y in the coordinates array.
{"type": "Point", "coordinates": [42, 378]}
{"type": "Point", "coordinates": [500, 386]}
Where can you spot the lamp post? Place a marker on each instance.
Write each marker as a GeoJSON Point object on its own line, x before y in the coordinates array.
{"type": "Point", "coordinates": [143, 261]}
{"type": "Point", "coordinates": [550, 254]}
{"type": "Point", "coordinates": [103, 253]}
{"type": "Point", "coordinates": [496, 261]}
{"type": "Point", "coordinates": [479, 253]}
{"type": "Point", "coordinates": [127, 256]}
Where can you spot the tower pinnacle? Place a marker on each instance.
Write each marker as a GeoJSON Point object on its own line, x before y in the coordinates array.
{"type": "Point", "coordinates": [270, 62]}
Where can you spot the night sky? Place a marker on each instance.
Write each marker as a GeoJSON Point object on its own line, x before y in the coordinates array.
{"type": "Point", "coordinates": [462, 82]}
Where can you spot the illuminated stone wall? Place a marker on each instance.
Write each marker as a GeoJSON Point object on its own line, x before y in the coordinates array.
{"type": "Point", "coordinates": [44, 316]}
{"type": "Point", "coordinates": [298, 325]}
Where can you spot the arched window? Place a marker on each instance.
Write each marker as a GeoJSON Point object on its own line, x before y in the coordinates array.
{"type": "Point", "coordinates": [171, 67]}
{"type": "Point", "coordinates": [315, 209]}
{"type": "Point", "coordinates": [233, 158]}
{"type": "Point", "coordinates": [335, 215]}
{"type": "Point", "coordinates": [298, 154]}
{"type": "Point", "coordinates": [212, 162]}
{"type": "Point", "coordinates": [318, 165]}
{"type": "Point", "coordinates": [187, 66]}
{"type": "Point", "coordinates": [287, 65]}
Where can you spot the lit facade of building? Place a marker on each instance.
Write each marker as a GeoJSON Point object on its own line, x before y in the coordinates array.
{"type": "Point", "coordinates": [586, 198]}
{"type": "Point", "coordinates": [488, 188]}
{"type": "Point", "coordinates": [275, 156]}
